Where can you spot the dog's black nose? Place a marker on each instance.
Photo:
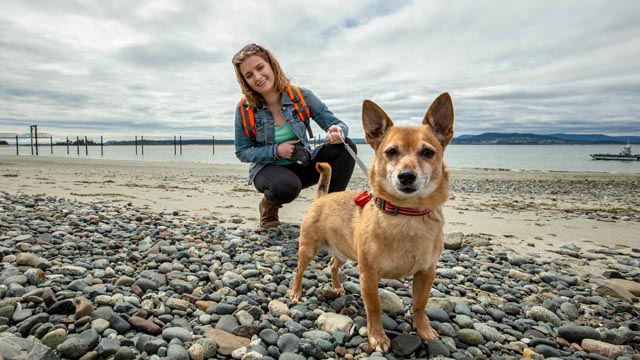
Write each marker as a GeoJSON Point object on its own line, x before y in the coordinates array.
{"type": "Point", "coordinates": [407, 177]}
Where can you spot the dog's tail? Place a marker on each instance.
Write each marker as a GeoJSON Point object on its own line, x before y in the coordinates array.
{"type": "Point", "coordinates": [325, 178]}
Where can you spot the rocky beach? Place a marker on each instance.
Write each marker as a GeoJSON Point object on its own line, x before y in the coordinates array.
{"type": "Point", "coordinates": [140, 260]}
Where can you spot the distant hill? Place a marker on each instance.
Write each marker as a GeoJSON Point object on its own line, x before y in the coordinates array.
{"type": "Point", "coordinates": [598, 138]}
{"type": "Point", "coordinates": [535, 139]}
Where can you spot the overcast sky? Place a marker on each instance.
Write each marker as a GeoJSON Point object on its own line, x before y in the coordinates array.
{"type": "Point", "coordinates": [163, 68]}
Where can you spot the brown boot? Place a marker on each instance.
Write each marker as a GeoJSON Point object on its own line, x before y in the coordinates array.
{"type": "Point", "coordinates": [268, 213]}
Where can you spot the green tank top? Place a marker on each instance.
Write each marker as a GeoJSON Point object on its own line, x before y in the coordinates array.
{"type": "Point", "coordinates": [284, 133]}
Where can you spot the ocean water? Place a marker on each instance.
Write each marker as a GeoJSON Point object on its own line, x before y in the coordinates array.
{"type": "Point", "coordinates": [573, 158]}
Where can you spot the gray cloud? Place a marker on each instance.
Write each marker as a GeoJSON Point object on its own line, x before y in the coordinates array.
{"type": "Point", "coordinates": [116, 68]}
{"type": "Point", "coordinates": [169, 53]}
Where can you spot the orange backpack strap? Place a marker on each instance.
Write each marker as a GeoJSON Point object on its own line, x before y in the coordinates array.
{"type": "Point", "coordinates": [247, 114]}
{"type": "Point", "coordinates": [304, 113]}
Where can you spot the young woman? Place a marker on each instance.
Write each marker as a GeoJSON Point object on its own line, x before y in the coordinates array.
{"type": "Point", "coordinates": [281, 137]}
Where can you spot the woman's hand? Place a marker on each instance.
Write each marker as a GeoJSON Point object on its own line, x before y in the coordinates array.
{"type": "Point", "coordinates": [285, 149]}
{"type": "Point", "coordinates": [335, 135]}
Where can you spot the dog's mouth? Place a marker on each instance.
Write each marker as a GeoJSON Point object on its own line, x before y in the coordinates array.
{"type": "Point", "coordinates": [408, 189]}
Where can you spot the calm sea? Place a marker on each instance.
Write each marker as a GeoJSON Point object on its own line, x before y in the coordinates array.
{"type": "Point", "coordinates": [573, 158]}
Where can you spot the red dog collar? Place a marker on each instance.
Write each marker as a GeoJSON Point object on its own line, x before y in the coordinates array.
{"type": "Point", "coordinates": [364, 197]}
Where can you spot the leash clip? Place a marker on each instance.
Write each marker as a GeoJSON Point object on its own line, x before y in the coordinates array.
{"type": "Point", "coordinates": [363, 198]}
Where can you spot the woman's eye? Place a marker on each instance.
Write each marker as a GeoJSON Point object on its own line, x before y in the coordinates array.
{"type": "Point", "coordinates": [428, 153]}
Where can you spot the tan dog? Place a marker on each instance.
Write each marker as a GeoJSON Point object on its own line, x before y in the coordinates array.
{"type": "Point", "coordinates": [399, 232]}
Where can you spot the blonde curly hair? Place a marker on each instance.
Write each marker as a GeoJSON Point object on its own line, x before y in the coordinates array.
{"type": "Point", "coordinates": [281, 79]}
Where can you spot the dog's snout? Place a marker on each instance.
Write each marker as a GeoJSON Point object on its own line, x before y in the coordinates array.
{"type": "Point", "coordinates": [407, 177]}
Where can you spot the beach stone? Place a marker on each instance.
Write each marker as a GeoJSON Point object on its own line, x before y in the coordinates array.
{"type": "Point", "coordinates": [269, 336]}
{"type": "Point", "coordinates": [35, 276]}
{"type": "Point", "coordinates": [278, 308]}
{"type": "Point", "coordinates": [125, 281]}
{"type": "Point", "coordinates": [547, 351]}
{"type": "Point", "coordinates": [437, 348]}
{"type": "Point", "coordinates": [54, 338]}
{"type": "Point", "coordinates": [146, 285]}
{"type": "Point", "coordinates": [539, 313]}
{"type": "Point", "coordinates": [632, 286]}
{"type": "Point", "coordinates": [73, 348]}
{"type": "Point", "coordinates": [489, 333]}
{"type": "Point", "coordinates": [438, 314]}
{"type": "Point", "coordinates": [90, 337]}
{"type": "Point", "coordinates": [209, 347]}
{"type": "Point", "coordinates": [519, 275]}
{"type": "Point", "coordinates": [145, 325]}
{"type": "Point", "coordinates": [226, 342]}
{"type": "Point", "coordinates": [24, 328]}
{"type": "Point", "coordinates": [63, 307]}
{"type": "Point", "coordinates": [20, 315]}
{"type": "Point", "coordinates": [100, 325]}
{"type": "Point", "coordinates": [107, 347]}
{"type": "Point", "coordinates": [616, 291]}
{"type": "Point", "coordinates": [31, 260]}
{"type": "Point", "coordinates": [471, 337]}
{"type": "Point", "coordinates": [71, 270]}
{"type": "Point", "coordinates": [453, 241]}
{"type": "Point", "coordinates": [288, 342]}
{"type": "Point", "coordinates": [177, 352]}
{"type": "Point", "coordinates": [222, 309]}
{"type": "Point", "coordinates": [570, 310]}
{"type": "Point", "coordinates": [84, 307]}
{"type": "Point", "coordinates": [610, 351]}
{"type": "Point", "coordinates": [618, 336]}
{"type": "Point", "coordinates": [181, 286]}
{"type": "Point", "coordinates": [12, 347]}
{"type": "Point", "coordinates": [463, 321]}
{"type": "Point", "coordinates": [576, 333]}
{"type": "Point", "coordinates": [195, 352]}
{"type": "Point", "coordinates": [153, 346]}
{"type": "Point", "coordinates": [227, 323]}
{"type": "Point", "coordinates": [179, 333]}
{"type": "Point", "coordinates": [124, 353]}
{"type": "Point", "coordinates": [404, 345]}
{"type": "Point", "coordinates": [446, 273]}
{"type": "Point", "coordinates": [178, 304]}
{"type": "Point", "coordinates": [119, 324]}
{"type": "Point", "coordinates": [390, 302]}
{"type": "Point", "coordinates": [332, 322]}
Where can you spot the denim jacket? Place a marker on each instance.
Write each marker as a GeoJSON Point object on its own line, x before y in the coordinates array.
{"type": "Point", "coordinates": [263, 152]}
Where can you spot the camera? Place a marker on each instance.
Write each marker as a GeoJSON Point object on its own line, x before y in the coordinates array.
{"type": "Point", "coordinates": [300, 155]}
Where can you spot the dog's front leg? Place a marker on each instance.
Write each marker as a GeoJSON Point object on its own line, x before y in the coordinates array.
{"type": "Point", "coordinates": [422, 282]}
{"type": "Point", "coordinates": [369, 288]}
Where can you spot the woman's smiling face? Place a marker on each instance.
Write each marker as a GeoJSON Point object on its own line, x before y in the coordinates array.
{"type": "Point", "coordinates": [258, 74]}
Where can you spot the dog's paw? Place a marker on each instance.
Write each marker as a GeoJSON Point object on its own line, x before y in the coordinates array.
{"type": "Point", "coordinates": [339, 290]}
{"type": "Point", "coordinates": [427, 334]}
{"type": "Point", "coordinates": [380, 342]}
{"type": "Point", "coordinates": [295, 296]}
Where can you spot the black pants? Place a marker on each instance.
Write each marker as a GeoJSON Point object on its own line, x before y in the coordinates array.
{"type": "Point", "coordinates": [281, 184]}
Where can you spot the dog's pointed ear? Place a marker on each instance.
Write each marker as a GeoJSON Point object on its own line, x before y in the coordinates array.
{"type": "Point", "coordinates": [440, 118]}
{"type": "Point", "coordinates": [375, 122]}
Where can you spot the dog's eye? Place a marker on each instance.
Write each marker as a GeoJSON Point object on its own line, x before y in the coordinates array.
{"type": "Point", "coordinates": [391, 152]}
{"type": "Point", "coordinates": [428, 153]}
